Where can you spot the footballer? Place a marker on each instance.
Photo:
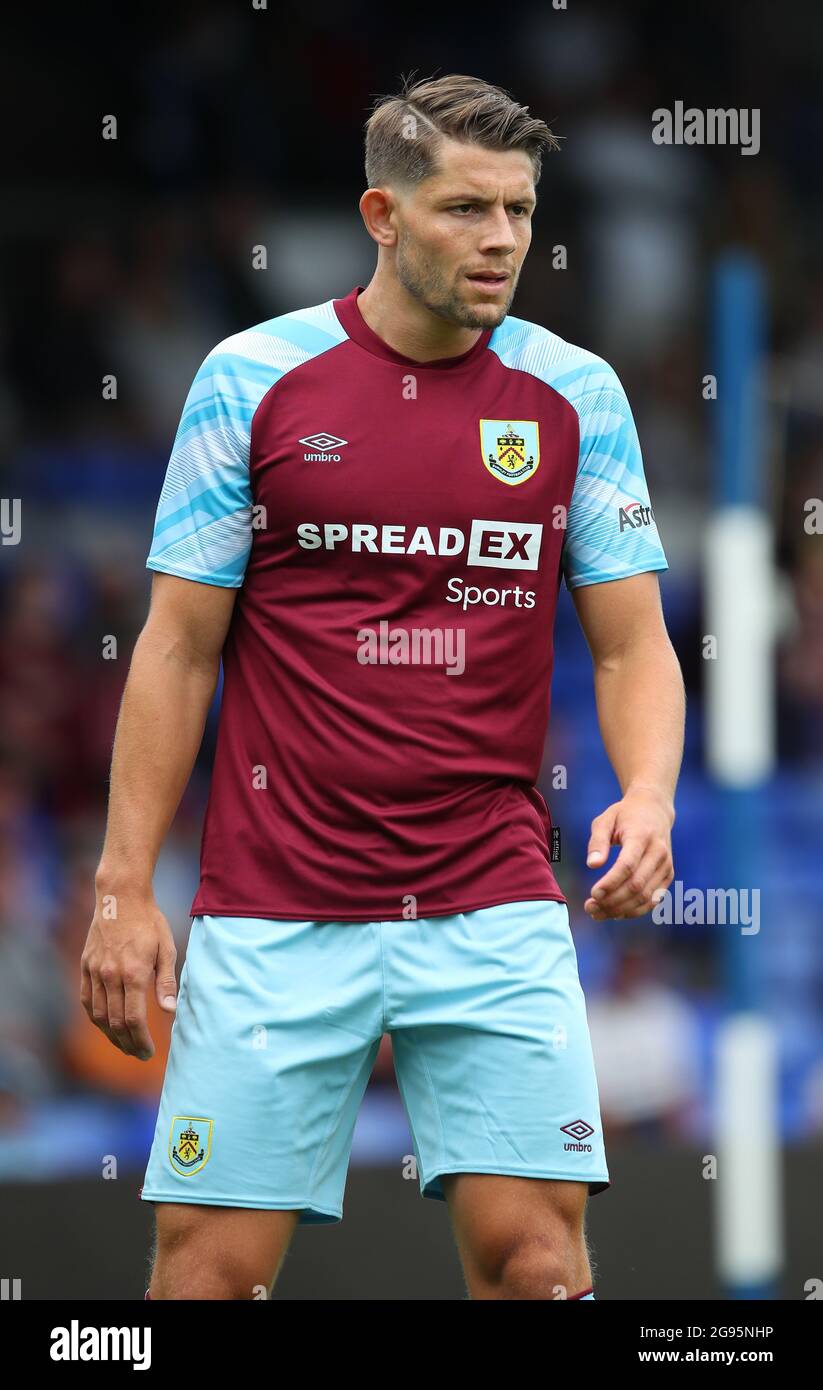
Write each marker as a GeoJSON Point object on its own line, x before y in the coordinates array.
{"type": "Point", "coordinates": [356, 491]}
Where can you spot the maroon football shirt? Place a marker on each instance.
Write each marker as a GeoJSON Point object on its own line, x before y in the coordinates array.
{"type": "Point", "coordinates": [397, 531]}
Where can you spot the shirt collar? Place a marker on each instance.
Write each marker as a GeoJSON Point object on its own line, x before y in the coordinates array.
{"type": "Point", "coordinates": [348, 312]}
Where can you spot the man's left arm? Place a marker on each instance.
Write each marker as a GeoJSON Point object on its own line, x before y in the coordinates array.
{"type": "Point", "coordinates": [641, 710]}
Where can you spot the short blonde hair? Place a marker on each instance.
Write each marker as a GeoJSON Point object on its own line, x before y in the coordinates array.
{"type": "Point", "coordinates": [404, 132]}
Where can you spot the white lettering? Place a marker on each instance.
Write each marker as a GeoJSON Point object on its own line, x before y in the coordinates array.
{"type": "Point", "coordinates": [495, 544]}
{"type": "Point", "coordinates": [469, 595]}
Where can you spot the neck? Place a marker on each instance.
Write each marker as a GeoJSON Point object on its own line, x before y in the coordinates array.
{"type": "Point", "coordinates": [407, 325]}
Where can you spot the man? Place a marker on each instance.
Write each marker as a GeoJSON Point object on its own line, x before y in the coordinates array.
{"type": "Point", "coordinates": [367, 513]}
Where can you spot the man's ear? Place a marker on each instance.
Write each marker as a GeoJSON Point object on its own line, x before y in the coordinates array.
{"type": "Point", "coordinates": [376, 208]}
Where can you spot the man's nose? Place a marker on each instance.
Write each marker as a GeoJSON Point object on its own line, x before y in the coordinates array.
{"type": "Point", "coordinates": [497, 232]}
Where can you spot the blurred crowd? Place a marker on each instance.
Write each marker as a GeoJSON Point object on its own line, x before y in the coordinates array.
{"type": "Point", "coordinates": [128, 260]}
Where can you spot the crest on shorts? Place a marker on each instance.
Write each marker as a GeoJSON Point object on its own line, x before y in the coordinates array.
{"type": "Point", "coordinates": [510, 449]}
{"type": "Point", "coordinates": [189, 1144]}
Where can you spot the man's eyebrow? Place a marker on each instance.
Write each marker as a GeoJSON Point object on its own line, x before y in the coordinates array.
{"type": "Point", "coordinates": [478, 198]}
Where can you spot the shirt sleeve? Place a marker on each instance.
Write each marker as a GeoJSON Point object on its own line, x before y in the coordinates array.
{"type": "Point", "coordinates": [611, 532]}
{"type": "Point", "coordinates": [202, 528]}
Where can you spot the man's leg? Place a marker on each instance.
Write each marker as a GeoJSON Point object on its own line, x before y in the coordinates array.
{"type": "Point", "coordinates": [277, 1027]}
{"type": "Point", "coordinates": [495, 1067]}
{"type": "Point", "coordinates": [519, 1238]}
{"type": "Point", "coordinates": [209, 1252]}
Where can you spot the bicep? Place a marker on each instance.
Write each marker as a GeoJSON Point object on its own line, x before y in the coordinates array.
{"type": "Point", "coordinates": [619, 614]}
{"type": "Point", "coordinates": [190, 617]}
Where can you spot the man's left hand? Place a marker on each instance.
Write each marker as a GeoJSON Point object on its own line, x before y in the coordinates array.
{"type": "Point", "coordinates": [641, 824]}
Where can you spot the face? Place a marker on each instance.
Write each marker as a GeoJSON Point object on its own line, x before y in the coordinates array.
{"type": "Point", "coordinates": [463, 233]}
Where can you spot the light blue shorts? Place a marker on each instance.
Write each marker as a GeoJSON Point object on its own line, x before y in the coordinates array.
{"type": "Point", "coordinates": [278, 1025]}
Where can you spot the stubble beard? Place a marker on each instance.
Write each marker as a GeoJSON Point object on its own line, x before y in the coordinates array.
{"type": "Point", "coordinates": [429, 286]}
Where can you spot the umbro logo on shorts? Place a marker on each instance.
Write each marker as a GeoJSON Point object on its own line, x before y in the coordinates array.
{"type": "Point", "coordinates": [579, 1131]}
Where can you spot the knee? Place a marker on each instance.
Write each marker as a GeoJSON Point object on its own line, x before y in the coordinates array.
{"type": "Point", "coordinates": [529, 1266]}
{"type": "Point", "coordinates": [548, 1264]}
{"type": "Point", "coordinates": [192, 1263]}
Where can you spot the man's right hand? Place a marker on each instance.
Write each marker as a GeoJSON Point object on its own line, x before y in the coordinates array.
{"type": "Point", "coordinates": [129, 945]}
{"type": "Point", "coordinates": [170, 686]}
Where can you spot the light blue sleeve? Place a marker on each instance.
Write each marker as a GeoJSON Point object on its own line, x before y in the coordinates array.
{"type": "Point", "coordinates": [202, 528]}
{"type": "Point", "coordinates": [611, 531]}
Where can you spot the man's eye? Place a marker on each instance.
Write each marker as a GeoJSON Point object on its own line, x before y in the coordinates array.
{"type": "Point", "coordinates": [519, 208]}
{"type": "Point", "coordinates": [463, 207]}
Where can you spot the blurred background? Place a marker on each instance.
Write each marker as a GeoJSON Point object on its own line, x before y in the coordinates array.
{"type": "Point", "coordinates": [132, 257]}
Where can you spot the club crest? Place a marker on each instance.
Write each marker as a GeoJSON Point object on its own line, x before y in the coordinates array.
{"type": "Point", "coordinates": [189, 1144]}
{"type": "Point", "coordinates": [510, 449]}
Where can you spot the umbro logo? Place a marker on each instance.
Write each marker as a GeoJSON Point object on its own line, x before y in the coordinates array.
{"type": "Point", "coordinates": [578, 1130]}
{"type": "Point", "coordinates": [323, 447]}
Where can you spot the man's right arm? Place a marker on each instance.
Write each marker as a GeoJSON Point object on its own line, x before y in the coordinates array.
{"type": "Point", "coordinates": [170, 686]}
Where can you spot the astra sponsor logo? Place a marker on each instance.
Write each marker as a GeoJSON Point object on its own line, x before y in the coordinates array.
{"type": "Point", "coordinates": [468, 595]}
{"type": "Point", "coordinates": [579, 1131]}
{"type": "Point", "coordinates": [413, 646]}
{"type": "Point", "coordinates": [635, 515]}
{"type": "Point", "coordinates": [497, 544]}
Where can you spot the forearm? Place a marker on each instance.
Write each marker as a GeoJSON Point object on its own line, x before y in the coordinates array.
{"type": "Point", "coordinates": [641, 708]}
{"type": "Point", "coordinates": [159, 731]}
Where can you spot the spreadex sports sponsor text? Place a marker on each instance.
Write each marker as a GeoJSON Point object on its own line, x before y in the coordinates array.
{"type": "Point", "coordinates": [497, 544]}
